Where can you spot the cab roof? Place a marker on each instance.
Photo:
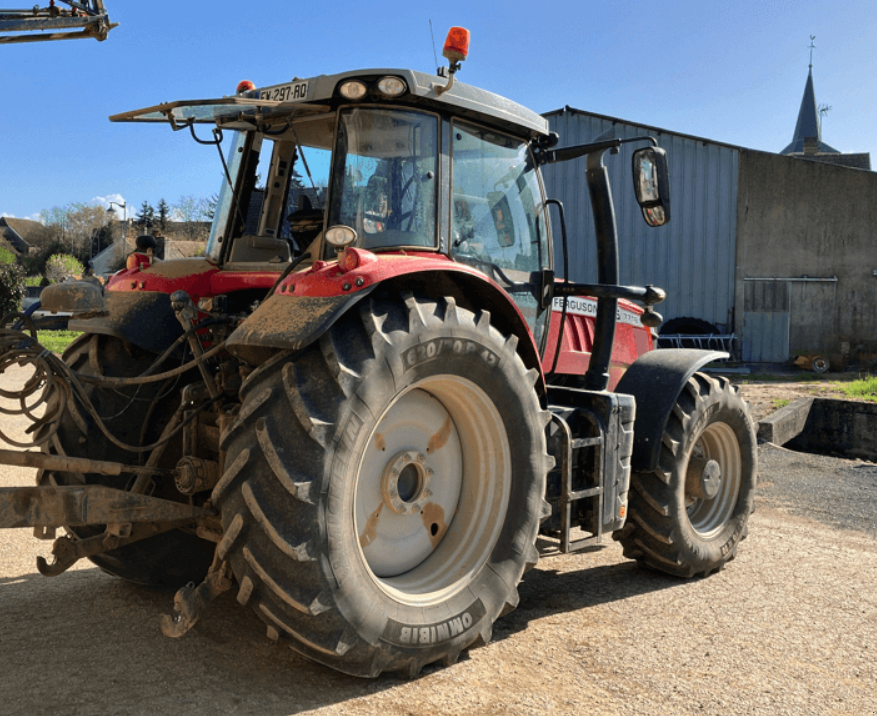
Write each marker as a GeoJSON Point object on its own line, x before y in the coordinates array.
{"type": "Point", "coordinates": [302, 96]}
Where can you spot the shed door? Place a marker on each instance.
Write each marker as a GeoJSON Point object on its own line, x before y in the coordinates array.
{"type": "Point", "coordinates": [765, 321]}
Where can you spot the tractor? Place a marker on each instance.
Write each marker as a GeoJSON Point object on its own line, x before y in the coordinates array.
{"type": "Point", "coordinates": [366, 403]}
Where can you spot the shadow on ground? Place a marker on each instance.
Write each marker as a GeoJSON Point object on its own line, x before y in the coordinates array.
{"type": "Point", "coordinates": [86, 643]}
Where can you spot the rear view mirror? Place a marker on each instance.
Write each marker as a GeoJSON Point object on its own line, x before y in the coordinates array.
{"type": "Point", "coordinates": [651, 183]}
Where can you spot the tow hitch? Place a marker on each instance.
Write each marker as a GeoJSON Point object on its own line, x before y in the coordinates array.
{"type": "Point", "coordinates": [128, 516]}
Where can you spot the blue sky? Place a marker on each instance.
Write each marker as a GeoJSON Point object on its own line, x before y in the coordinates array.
{"type": "Point", "coordinates": [732, 72]}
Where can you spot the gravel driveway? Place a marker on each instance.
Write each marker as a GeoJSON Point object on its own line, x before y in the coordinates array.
{"type": "Point", "coordinates": [789, 627]}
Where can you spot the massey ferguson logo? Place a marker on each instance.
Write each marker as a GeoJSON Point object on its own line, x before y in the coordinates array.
{"type": "Point", "coordinates": [430, 634]}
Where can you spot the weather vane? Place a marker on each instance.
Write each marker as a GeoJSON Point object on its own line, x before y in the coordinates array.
{"type": "Point", "coordinates": [812, 47]}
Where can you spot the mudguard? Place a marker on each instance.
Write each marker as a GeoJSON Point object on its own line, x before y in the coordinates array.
{"type": "Point", "coordinates": [655, 380]}
{"type": "Point", "coordinates": [289, 323]}
{"type": "Point", "coordinates": [306, 304]}
{"type": "Point", "coordinates": [144, 318]}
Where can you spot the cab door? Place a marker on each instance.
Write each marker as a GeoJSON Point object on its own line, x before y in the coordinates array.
{"type": "Point", "coordinates": [498, 216]}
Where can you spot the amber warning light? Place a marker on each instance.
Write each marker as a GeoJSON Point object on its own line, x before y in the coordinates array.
{"type": "Point", "coordinates": [457, 44]}
{"type": "Point", "coordinates": [245, 86]}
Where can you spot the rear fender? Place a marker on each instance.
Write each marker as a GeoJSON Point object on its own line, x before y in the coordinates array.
{"type": "Point", "coordinates": [144, 318]}
{"type": "Point", "coordinates": [289, 322]}
{"type": "Point", "coordinates": [655, 380]}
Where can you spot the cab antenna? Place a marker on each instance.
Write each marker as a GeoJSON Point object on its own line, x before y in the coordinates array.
{"type": "Point", "coordinates": [432, 35]}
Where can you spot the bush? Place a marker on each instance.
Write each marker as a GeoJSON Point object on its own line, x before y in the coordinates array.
{"type": "Point", "coordinates": [36, 263]}
{"type": "Point", "coordinates": [11, 288]}
{"type": "Point", "coordinates": [61, 266]}
{"type": "Point", "coordinates": [7, 256]}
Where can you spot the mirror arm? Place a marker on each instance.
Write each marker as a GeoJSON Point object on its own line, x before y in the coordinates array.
{"type": "Point", "coordinates": [592, 149]}
{"type": "Point", "coordinates": [597, 375]}
{"type": "Point", "coordinates": [647, 295]}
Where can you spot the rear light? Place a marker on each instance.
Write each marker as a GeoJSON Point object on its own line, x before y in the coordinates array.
{"type": "Point", "coordinates": [456, 47]}
{"type": "Point", "coordinates": [245, 86]}
{"type": "Point", "coordinates": [391, 86]}
{"type": "Point", "coordinates": [351, 259]}
{"type": "Point", "coordinates": [353, 89]}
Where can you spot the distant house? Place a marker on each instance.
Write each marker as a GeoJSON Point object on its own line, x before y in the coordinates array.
{"type": "Point", "coordinates": [114, 256]}
{"type": "Point", "coordinates": [24, 236]}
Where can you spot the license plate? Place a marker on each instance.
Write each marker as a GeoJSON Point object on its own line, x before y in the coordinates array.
{"type": "Point", "coordinates": [292, 92]}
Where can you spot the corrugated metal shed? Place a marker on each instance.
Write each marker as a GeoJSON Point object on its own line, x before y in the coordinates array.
{"type": "Point", "coordinates": [693, 258]}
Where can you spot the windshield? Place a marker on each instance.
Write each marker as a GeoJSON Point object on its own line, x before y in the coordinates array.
{"type": "Point", "coordinates": [384, 182]}
{"type": "Point", "coordinates": [270, 208]}
{"type": "Point", "coordinates": [223, 202]}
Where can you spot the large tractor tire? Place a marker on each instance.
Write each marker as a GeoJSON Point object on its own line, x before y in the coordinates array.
{"type": "Point", "coordinates": [384, 488]}
{"type": "Point", "coordinates": [688, 517]}
{"type": "Point", "coordinates": [170, 559]}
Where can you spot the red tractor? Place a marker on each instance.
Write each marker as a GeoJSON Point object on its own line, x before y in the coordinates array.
{"type": "Point", "coordinates": [366, 401]}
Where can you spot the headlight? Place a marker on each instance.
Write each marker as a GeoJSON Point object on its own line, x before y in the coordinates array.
{"type": "Point", "coordinates": [391, 86]}
{"type": "Point", "coordinates": [340, 236]}
{"type": "Point", "coordinates": [353, 89]}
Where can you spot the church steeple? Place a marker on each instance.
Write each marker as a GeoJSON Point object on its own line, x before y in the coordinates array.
{"type": "Point", "coordinates": [808, 127]}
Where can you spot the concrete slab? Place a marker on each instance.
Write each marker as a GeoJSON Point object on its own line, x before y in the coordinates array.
{"type": "Point", "coordinates": [786, 423]}
{"type": "Point", "coordinates": [846, 428]}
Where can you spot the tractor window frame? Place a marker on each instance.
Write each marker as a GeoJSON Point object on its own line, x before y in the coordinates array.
{"type": "Point", "coordinates": [339, 164]}
{"type": "Point", "coordinates": [540, 230]}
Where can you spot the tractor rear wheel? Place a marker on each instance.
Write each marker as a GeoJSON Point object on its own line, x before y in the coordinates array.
{"type": "Point", "coordinates": [383, 489]}
{"type": "Point", "coordinates": [688, 517]}
{"type": "Point", "coordinates": [170, 559]}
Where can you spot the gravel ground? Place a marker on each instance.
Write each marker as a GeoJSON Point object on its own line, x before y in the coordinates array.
{"type": "Point", "coordinates": [789, 627]}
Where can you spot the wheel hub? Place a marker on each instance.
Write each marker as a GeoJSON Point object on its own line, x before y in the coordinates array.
{"type": "Point", "coordinates": [703, 479]}
{"type": "Point", "coordinates": [406, 482]}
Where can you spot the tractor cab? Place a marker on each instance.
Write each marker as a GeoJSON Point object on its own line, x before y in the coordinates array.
{"type": "Point", "coordinates": [378, 161]}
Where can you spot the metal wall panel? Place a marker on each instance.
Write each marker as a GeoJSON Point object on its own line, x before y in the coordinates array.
{"type": "Point", "coordinates": [766, 321]}
{"type": "Point", "coordinates": [693, 258]}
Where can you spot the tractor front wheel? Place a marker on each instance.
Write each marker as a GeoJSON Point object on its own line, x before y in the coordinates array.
{"type": "Point", "coordinates": [687, 517]}
{"type": "Point", "coordinates": [383, 488]}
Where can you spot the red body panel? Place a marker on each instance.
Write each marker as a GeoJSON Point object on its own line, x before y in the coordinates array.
{"type": "Point", "coordinates": [632, 339]}
{"type": "Point", "coordinates": [329, 278]}
{"type": "Point", "coordinates": [357, 270]}
{"type": "Point", "coordinates": [200, 278]}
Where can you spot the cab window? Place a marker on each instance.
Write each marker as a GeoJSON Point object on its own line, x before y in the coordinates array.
{"type": "Point", "coordinates": [498, 216]}
{"type": "Point", "coordinates": [384, 182]}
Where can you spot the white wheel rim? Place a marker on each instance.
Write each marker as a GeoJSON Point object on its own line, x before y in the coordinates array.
{"type": "Point", "coordinates": [708, 517]}
{"type": "Point", "coordinates": [432, 488]}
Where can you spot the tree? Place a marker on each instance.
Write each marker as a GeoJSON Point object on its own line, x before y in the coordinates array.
{"type": "Point", "coordinates": [11, 288]}
{"type": "Point", "coordinates": [191, 211]}
{"type": "Point", "coordinates": [7, 256]}
{"type": "Point", "coordinates": [61, 266]}
{"type": "Point", "coordinates": [56, 218]}
{"type": "Point", "coordinates": [146, 217]}
{"type": "Point", "coordinates": [212, 203]}
{"type": "Point", "coordinates": [102, 238]}
{"type": "Point", "coordinates": [163, 212]}
{"type": "Point", "coordinates": [84, 221]}
{"type": "Point", "coordinates": [76, 224]}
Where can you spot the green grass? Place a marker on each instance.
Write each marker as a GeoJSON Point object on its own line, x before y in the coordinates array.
{"type": "Point", "coordinates": [57, 341]}
{"type": "Point", "coordinates": [864, 388]}
{"type": "Point", "coordinates": [781, 403]}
